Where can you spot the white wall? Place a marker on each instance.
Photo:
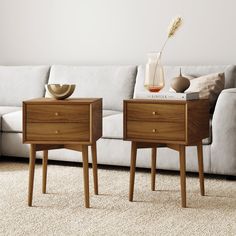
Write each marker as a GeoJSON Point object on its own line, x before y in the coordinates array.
{"type": "Point", "coordinates": [115, 31]}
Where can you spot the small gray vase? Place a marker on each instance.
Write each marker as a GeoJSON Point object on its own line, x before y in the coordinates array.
{"type": "Point", "coordinates": [180, 83]}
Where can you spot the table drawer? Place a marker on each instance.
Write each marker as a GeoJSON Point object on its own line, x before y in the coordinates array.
{"type": "Point", "coordinates": [156, 112]}
{"type": "Point", "coordinates": [57, 113]}
{"type": "Point", "coordinates": [155, 131]}
{"type": "Point", "coordinates": [57, 132]}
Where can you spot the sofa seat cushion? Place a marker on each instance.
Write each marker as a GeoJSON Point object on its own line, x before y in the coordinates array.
{"type": "Point", "coordinates": [109, 113]}
{"type": "Point", "coordinates": [113, 126]}
{"type": "Point", "coordinates": [112, 83]}
{"type": "Point", "coordinates": [208, 140]}
{"type": "Point", "coordinates": [5, 110]}
{"type": "Point", "coordinates": [8, 109]}
{"type": "Point", "coordinates": [12, 122]}
{"type": "Point", "coordinates": [19, 83]}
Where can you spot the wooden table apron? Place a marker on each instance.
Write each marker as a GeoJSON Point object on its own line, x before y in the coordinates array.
{"type": "Point", "coordinates": [60, 119]}
{"type": "Point", "coordinates": [172, 124]}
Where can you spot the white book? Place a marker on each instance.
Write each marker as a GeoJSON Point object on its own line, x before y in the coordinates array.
{"type": "Point", "coordinates": [168, 96]}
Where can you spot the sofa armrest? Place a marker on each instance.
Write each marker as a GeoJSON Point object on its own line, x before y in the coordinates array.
{"type": "Point", "coordinates": [223, 148]}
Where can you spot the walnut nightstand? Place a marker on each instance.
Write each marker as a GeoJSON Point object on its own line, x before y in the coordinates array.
{"type": "Point", "coordinates": [174, 124]}
{"type": "Point", "coordinates": [52, 124]}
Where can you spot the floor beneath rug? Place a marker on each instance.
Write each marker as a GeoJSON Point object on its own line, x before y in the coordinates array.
{"type": "Point", "coordinates": [61, 211]}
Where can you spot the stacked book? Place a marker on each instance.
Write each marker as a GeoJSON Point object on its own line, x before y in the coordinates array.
{"type": "Point", "coordinates": [168, 96]}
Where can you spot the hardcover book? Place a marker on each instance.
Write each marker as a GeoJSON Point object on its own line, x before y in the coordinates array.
{"type": "Point", "coordinates": [168, 96]}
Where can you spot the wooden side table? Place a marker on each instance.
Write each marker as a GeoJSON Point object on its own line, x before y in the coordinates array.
{"type": "Point", "coordinates": [174, 124]}
{"type": "Point", "coordinates": [52, 124]}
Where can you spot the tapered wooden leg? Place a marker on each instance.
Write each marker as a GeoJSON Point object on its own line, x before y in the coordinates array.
{"type": "Point", "coordinates": [201, 168]}
{"type": "Point", "coordinates": [86, 174]}
{"type": "Point", "coordinates": [182, 174]}
{"type": "Point", "coordinates": [132, 170]}
{"type": "Point", "coordinates": [31, 173]}
{"type": "Point", "coordinates": [45, 165]}
{"type": "Point", "coordinates": [95, 172]}
{"type": "Point", "coordinates": [153, 168]}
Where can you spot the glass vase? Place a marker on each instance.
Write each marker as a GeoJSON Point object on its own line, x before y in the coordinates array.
{"type": "Point", "coordinates": [154, 74]}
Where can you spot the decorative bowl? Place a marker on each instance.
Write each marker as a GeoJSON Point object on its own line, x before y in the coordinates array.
{"type": "Point", "coordinates": [60, 91]}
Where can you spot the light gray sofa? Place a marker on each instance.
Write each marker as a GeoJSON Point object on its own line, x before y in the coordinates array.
{"type": "Point", "coordinates": [114, 84]}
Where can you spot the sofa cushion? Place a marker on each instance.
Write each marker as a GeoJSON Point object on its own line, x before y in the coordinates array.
{"type": "Point", "coordinates": [12, 122]}
{"type": "Point", "coordinates": [208, 86]}
{"type": "Point", "coordinates": [208, 140]}
{"type": "Point", "coordinates": [113, 126]}
{"type": "Point", "coordinates": [19, 83]}
{"type": "Point", "coordinates": [195, 71]}
{"type": "Point", "coordinates": [109, 113]}
{"type": "Point", "coordinates": [112, 83]}
{"type": "Point", "coordinates": [5, 110]}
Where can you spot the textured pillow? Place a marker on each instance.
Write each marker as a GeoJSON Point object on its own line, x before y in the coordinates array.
{"type": "Point", "coordinates": [208, 86]}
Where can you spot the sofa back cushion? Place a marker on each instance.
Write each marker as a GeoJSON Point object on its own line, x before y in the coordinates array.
{"type": "Point", "coordinates": [19, 83]}
{"type": "Point", "coordinates": [195, 71]}
{"type": "Point", "coordinates": [112, 83]}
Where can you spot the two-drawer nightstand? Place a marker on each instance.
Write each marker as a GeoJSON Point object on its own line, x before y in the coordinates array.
{"type": "Point", "coordinates": [174, 124]}
{"type": "Point", "coordinates": [52, 124]}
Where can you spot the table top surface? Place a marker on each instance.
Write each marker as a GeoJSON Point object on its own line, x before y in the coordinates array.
{"type": "Point", "coordinates": [137, 100]}
{"type": "Point", "coordinates": [64, 101]}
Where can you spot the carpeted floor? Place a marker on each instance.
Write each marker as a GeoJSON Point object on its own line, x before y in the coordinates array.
{"type": "Point", "coordinates": [62, 212]}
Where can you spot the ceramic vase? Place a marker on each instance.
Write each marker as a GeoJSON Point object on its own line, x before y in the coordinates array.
{"type": "Point", "coordinates": [180, 83]}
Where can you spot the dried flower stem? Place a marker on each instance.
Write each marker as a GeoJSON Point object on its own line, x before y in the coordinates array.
{"type": "Point", "coordinates": [176, 23]}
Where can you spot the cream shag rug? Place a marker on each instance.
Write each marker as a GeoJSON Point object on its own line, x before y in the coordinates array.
{"type": "Point", "coordinates": [62, 212]}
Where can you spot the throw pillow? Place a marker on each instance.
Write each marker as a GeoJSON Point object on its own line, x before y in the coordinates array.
{"type": "Point", "coordinates": [208, 86]}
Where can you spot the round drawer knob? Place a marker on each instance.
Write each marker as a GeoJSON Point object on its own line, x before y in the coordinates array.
{"type": "Point", "coordinates": [154, 113]}
{"type": "Point", "coordinates": [56, 113]}
{"type": "Point", "coordinates": [56, 131]}
{"type": "Point", "coordinates": [154, 130]}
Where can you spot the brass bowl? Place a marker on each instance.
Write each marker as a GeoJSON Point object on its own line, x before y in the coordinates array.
{"type": "Point", "coordinates": [60, 91]}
